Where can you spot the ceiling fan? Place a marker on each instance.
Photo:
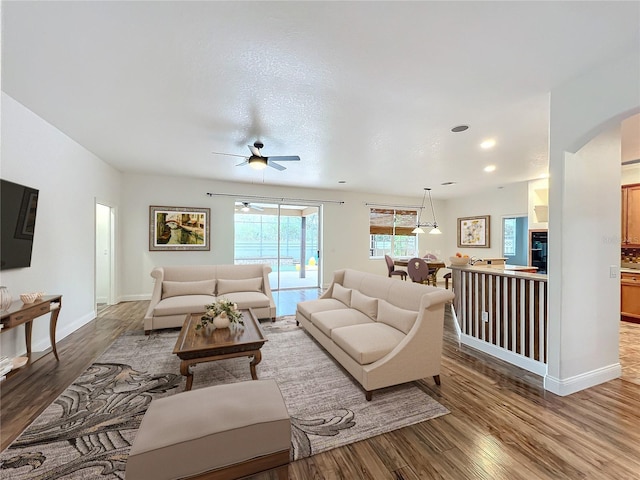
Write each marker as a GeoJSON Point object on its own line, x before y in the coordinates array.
{"type": "Point", "coordinates": [246, 206]}
{"type": "Point", "coordinates": [259, 161]}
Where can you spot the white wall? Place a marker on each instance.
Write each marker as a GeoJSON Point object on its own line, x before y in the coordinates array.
{"type": "Point", "coordinates": [69, 177]}
{"type": "Point", "coordinates": [345, 234]}
{"type": "Point", "coordinates": [583, 313]}
{"type": "Point", "coordinates": [509, 200]}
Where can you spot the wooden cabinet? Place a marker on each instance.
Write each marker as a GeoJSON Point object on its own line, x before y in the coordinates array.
{"type": "Point", "coordinates": [631, 215]}
{"type": "Point", "coordinates": [630, 296]}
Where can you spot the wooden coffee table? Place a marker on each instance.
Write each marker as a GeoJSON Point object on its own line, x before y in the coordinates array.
{"type": "Point", "coordinates": [194, 346]}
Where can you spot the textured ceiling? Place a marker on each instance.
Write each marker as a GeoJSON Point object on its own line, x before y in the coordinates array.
{"type": "Point", "coordinates": [363, 92]}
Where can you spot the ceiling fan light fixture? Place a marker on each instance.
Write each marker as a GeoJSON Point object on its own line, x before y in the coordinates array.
{"type": "Point", "coordinates": [257, 163]}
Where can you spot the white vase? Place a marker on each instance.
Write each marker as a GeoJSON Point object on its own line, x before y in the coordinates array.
{"type": "Point", "coordinates": [221, 322]}
{"type": "Point", "coordinates": [5, 298]}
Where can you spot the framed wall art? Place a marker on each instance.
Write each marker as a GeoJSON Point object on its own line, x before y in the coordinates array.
{"type": "Point", "coordinates": [179, 228]}
{"type": "Point", "coordinates": [474, 231]}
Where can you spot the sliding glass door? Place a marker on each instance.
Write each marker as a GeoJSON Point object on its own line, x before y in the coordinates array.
{"type": "Point", "coordinates": [284, 236]}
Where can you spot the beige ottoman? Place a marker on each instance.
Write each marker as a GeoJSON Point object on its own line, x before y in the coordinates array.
{"type": "Point", "coordinates": [220, 432]}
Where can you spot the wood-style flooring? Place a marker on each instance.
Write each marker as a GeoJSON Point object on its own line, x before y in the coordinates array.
{"type": "Point", "coordinates": [502, 425]}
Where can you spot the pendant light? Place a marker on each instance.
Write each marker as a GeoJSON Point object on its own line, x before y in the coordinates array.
{"type": "Point", "coordinates": [434, 225]}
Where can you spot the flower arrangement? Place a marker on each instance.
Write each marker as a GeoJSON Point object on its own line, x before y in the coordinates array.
{"type": "Point", "coordinates": [222, 308]}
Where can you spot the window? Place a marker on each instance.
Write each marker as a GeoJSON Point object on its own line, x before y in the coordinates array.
{"type": "Point", "coordinates": [390, 232]}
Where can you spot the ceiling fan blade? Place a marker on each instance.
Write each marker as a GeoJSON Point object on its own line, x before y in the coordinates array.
{"type": "Point", "coordinates": [229, 154]}
{"type": "Point", "coordinates": [243, 163]}
{"type": "Point", "coordinates": [254, 151]}
{"type": "Point", "coordinates": [286, 158]}
{"type": "Point", "coordinates": [276, 166]}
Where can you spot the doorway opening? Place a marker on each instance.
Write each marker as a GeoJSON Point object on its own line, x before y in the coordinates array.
{"type": "Point", "coordinates": [104, 257]}
{"type": "Point", "coordinates": [285, 236]}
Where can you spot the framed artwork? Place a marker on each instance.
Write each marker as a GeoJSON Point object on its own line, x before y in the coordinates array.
{"type": "Point", "coordinates": [179, 228]}
{"type": "Point", "coordinates": [474, 231]}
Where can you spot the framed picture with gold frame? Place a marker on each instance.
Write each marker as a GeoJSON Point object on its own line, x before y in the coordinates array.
{"type": "Point", "coordinates": [474, 231]}
{"type": "Point", "coordinates": [179, 228]}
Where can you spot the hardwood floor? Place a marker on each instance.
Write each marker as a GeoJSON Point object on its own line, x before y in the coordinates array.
{"type": "Point", "coordinates": [503, 425]}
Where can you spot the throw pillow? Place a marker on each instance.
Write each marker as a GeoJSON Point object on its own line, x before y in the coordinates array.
{"type": "Point", "coordinates": [177, 289]}
{"type": "Point", "coordinates": [244, 285]}
{"type": "Point", "coordinates": [396, 317]}
{"type": "Point", "coordinates": [367, 305]}
{"type": "Point", "coordinates": [342, 294]}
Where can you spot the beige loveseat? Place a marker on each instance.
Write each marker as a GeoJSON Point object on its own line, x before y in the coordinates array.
{"type": "Point", "coordinates": [383, 331]}
{"type": "Point", "coordinates": [180, 290]}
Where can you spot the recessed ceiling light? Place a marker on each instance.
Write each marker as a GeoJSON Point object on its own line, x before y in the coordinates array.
{"type": "Point", "coordinates": [460, 128]}
{"type": "Point", "coordinates": [489, 143]}
{"type": "Point", "coordinates": [489, 168]}
{"type": "Point", "coordinates": [448, 183]}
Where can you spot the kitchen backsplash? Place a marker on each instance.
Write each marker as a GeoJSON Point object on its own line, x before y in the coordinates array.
{"type": "Point", "coordinates": [630, 255]}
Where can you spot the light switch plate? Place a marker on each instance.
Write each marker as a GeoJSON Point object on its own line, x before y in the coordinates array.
{"type": "Point", "coordinates": [613, 271]}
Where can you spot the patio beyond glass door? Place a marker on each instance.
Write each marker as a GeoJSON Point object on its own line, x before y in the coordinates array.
{"type": "Point", "coordinates": [284, 236]}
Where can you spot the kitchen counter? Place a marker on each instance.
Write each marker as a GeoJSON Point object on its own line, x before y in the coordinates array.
{"type": "Point", "coordinates": [521, 271]}
{"type": "Point", "coordinates": [629, 270]}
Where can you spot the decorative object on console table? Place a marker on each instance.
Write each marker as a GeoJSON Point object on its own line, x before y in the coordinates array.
{"type": "Point", "coordinates": [179, 228]}
{"type": "Point", "coordinates": [28, 298]}
{"type": "Point", "coordinates": [474, 231]}
{"type": "Point", "coordinates": [5, 299]}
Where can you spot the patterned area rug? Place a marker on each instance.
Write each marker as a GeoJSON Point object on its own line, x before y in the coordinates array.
{"type": "Point", "coordinates": [88, 430]}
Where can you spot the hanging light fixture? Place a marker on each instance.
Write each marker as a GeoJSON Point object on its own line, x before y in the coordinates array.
{"type": "Point", "coordinates": [434, 225]}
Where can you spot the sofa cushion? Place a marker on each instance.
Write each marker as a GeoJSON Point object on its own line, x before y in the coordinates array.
{"type": "Point", "coordinates": [342, 294]}
{"type": "Point", "coordinates": [327, 321]}
{"type": "Point", "coordinates": [396, 317]}
{"type": "Point", "coordinates": [367, 342]}
{"type": "Point", "coordinates": [226, 285]}
{"type": "Point", "coordinates": [247, 299]}
{"type": "Point", "coordinates": [175, 289]}
{"type": "Point", "coordinates": [367, 305]}
{"type": "Point", "coordinates": [310, 307]}
{"type": "Point", "coordinates": [183, 304]}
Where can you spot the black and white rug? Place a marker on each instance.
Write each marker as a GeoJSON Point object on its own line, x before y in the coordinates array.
{"type": "Point", "coordinates": [88, 430]}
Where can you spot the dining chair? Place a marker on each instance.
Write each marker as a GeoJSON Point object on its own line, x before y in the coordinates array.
{"type": "Point", "coordinates": [392, 269]}
{"type": "Point", "coordinates": [418, 271]}
{"type": "Point", "coordinates": [430, 257]}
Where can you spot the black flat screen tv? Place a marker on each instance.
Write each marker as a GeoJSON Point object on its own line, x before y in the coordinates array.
{"type": "Point", "coordinates": [18, 206]}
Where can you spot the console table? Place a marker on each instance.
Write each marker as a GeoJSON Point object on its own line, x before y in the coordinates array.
{"type": "Point", "coordinates": [24, 314]}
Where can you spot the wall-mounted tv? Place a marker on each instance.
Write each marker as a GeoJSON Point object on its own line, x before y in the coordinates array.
{"type": "Point", "coordinates": [18, 205]}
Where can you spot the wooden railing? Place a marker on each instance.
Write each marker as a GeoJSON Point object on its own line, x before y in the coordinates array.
{"type": "Point", "coordinates": [503, 314]}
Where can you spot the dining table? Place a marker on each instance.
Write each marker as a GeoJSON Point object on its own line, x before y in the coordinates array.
{"type": "Point", "coordinates": [434, 266]}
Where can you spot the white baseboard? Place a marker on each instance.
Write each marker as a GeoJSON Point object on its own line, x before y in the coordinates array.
{"type": "Point", "coordinates": [134, 298]}
{"type": "Point", "coordinates": [567, 386]}
{"type": "Point", "coordinates": [516, 359]}
{"type": "Point", "coordinates": [63, 332]}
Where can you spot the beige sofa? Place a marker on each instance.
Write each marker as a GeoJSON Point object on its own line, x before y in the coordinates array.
{"type": "Point", "coordinates": [180, 290]}
{"type": "Point", "coordinates": [383, 331]}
